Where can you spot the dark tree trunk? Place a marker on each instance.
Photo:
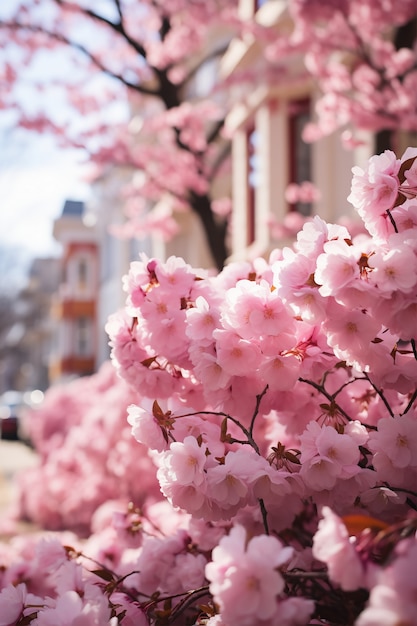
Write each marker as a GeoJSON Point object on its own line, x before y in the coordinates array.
{"type": "Point", "coordinates": [215, 231]}
{"type": "Point", "coordinates": [383, 141]}
{"type": "Point", "coordinates": [405, 37]}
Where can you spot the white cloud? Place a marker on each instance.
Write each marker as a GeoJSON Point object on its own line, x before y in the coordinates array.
{"type": "Point", "coordinates": [32, 196]}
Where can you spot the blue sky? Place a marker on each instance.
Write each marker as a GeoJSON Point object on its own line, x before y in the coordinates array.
{"type": "Point", "coordinates": [33, 189]}
{"type": "Point", "coordinates": [35, 180]}
{"type": "Point", "coordinates": [36, 177]}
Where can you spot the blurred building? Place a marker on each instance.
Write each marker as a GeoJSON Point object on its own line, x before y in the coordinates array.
{"type": "Point", "coordinates": [268, 153]}
{"type": "Point", "coordinates": [74, 307]}
{"type": "Point", "coordinates": [102, 214]}
{"type": "Point", "coordinates": [26, 335]}
{"type": "Point", "coordinates": [266, 116]}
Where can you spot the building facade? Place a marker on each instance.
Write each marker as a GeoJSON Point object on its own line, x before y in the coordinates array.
{"type": "Point", "coordinates": [268, 152]}
{"type": "Point", "coordinates": [74, 307]}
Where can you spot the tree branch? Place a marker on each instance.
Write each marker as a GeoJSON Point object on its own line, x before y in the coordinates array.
{"type": "Point", "coordinates": [63, 39]}
{"type": "Point", "coordinates": [118, 27]}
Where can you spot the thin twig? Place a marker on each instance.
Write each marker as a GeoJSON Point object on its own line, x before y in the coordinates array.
{"type": "Point", "coordinates": [264, 515]}
{"type": "Point", "coordinates": [381, 395]}
{"type": "Point", "coordinates": [410, 404]}
{"type": "Point", "coordinates": [255, 413]}
{"type": "Point", "coordinates": [330, 397]}
{"type": "Point", "coordinates": [392, 220]}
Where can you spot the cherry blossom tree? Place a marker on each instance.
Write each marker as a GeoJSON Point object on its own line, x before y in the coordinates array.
{"type": "Point", "coordinates": [148, 56]}
{"type": "Point", "coordinates": [276, 405]}
{"type": "Point", "coordinates": [363, 57]}
{"type": "Point", "coordinates": [150, 52]}
{"type": "Point", "coordinates": [82, 437]}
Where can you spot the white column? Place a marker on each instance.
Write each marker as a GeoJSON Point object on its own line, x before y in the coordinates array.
{"type": "Point", "coordinates": [240, 191]}
{"type": "Point", "coordinates": [271, 123]}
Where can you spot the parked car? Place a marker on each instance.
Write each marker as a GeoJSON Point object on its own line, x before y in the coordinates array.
{"type": "Point", "coordinates": [11, 404]}
{"type": "Point", "coordinates": [15, 409]}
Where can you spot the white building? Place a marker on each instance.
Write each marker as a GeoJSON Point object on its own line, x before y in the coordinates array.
{"type": "Point", "coordinates": [74, 310]}
{"type": "Point", "coordinates": [267, 150]}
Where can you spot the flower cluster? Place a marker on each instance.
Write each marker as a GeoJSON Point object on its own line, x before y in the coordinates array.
{"type": "Point", "coordinates": [86, 455]}
{"type": "Point", "coordinates": [277, 406]}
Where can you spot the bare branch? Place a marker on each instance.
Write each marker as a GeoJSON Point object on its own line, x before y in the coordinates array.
{"type": "Point", "coordinates": [63, 39]}
{"type": "Point", "coordinates": [117, 27]}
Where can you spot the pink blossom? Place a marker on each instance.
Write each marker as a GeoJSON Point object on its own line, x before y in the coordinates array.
{"type": "Point", "coordinates": [304, 192]}
{"type": "Point", "coordinates": [134, 283]}
{"type": "Point", "coordinates": [145, 427]}
{"type": "Point", "coordinates": [280, 372]}
{"type": "Point", "coordinates": [374, 190]}
{"type": "Point", "coordinates": [222, 206]}
{"type": "Point", "coordinates": [326, 456]}
{"type": "Point", "coordinates": [133, 614]}
{"type": "Point", "coordinates": [227, 482]}
{"type": "Point", "coordinates": [284, 387]}
{"type": "Point", "coordinates": [184, 462]}
{"type": "Point", "coordinates": [295, 611]}
{"type": "Point", "coordinates": [207, 368]}
{"type": "Point", "coordinates": [250, 565]}
{"type": "Point", "coordinates": [332, 545]}
{"type": "Point", "coordinates": [70, 610]}
{"type": "Point", "coordinates": [292, 272]}
{"type": "Point", "coordinates": [294, 282]}
{"type": "Point", "coordinates": [406, 216]}
{"type": "Point", "coordinates": [397, 439]}
{"type": "Point", "coordinates": [274, 485]}
{"type": "Point", "coordinates": [12, 603]}
{"type": "Point", "coordinates": [395, 269]}
{"type": "Point", "coordinates": [411, 172]}
{"type": "Point", "coordinates": [337, 267]}
{"type": "Point", "coordinates": [155, 549]}
{"type": "Point", "coordinates": [252, 309]}
{"type": "Point", "coordinates": [392, 598]}
{"type": "Point", "coordinates": [235, 355]}
{"type": "Point", "coordinates": [202, 321]}
{"type": "Point", "coordinates": [176, 275]}
{"type": "Point", "coordinates": [314, 234]}
{"type": "Point", "coordinates": [191, 498]}
{"type": "Point", "coordinates": [187, 573]}
{"type": "Point", "coordinates": [350, 333]}
{"type": "Point", "coordinates": [168, 337]}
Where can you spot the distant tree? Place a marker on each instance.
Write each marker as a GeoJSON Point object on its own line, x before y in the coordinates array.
{"type": "Point", "coordinates": [362, 55]}
{"type": "Point", "coordinates": [152, 51]}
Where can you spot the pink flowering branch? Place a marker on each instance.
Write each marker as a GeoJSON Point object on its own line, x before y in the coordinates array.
{"type": "Point", "coordinates": [273, 410]}
{"type": "Point", "coordinates": [380, 394]}
{"type": "Point", "coordinates": [332, 409]}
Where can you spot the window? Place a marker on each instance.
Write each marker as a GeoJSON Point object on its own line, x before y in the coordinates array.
{"type": "Point", "coordinates": [82, 273]}
{"type": "Point", "coordinates": [299, 150]}
{"type": "Point", "coordinates": [83, 336]}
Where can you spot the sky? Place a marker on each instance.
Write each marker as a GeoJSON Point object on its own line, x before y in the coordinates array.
{"type": "Point", "coordinates": [32, 193]}
{"type": "Point", "coordinates": [36, 178]}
